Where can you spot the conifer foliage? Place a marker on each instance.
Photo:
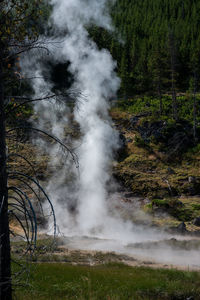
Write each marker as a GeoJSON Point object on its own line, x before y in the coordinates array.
{"type": "Point", "coordinates": [159, 40]}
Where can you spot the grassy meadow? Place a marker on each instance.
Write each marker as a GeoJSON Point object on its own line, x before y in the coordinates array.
{"type": "Point", "coordinates": [53, 281]}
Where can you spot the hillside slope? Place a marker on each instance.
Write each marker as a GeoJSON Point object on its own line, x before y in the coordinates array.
{"type": "Point", "coordinates": [160, 162]}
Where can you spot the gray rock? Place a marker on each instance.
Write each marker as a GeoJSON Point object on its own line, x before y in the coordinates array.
{"type": "Point", "coordinates": [134, 120]}
{"type": "Point", "coordinates": [179, 203]}
{"type": "Point", "coordinates": [129, 140]}
{"type": "Point", "coordinates": [122, 140]}
{"type": "Point", "coordinates": [170, 171]}
{"type": "Point", "coordinates": [129, 195]}
{"type": "Point", "coordinates": [196, 221]}
{"type": "Point", "coordinates": [181, 227]}
{"type": "Point", "coordinates": [192, 179]}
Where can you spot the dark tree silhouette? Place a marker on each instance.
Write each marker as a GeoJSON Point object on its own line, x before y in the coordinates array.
{"type": "Point", "coordinates": [18, 35]}
{"type": "Point", "coordinates": [5, 269]}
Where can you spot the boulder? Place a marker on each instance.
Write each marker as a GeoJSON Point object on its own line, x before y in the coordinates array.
{"type": "Point", "coordinates": [134, 120]}
{"type": "Point", "coordinates": [178, 203]}
{"type": "Point", "coordinates": [122, 140]}
{"type": "Point", "coordinates": [121, 151]}
{"type": "Point", "coordinates": [181, 228]}
{"type": "Point", "coordinates": [129, 140]}
{"type": "Point", "coordinates": [170, 171]}
{"type": "Point", "coordinates": [192, 179]}
{"type": "Point", "coordinates": [196, 221]}
{"type": "Point", "coordinates": [129, 195]}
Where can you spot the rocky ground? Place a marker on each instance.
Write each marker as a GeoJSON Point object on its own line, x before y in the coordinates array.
{"type": "Point", "coordinates": [157, 167]}
{"type": "Point", "coordinates": [179, 253]}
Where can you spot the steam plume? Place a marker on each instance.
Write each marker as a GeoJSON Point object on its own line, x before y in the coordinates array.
{"type": "Point", "coordinates": [95, 78]}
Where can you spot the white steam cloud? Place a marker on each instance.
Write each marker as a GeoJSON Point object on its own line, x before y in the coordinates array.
{"type": "Point", "coordinates": [96, 79]}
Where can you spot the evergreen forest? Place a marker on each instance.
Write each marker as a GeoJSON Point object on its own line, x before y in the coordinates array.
{"type": "Point", "coordinates": [156, 44]}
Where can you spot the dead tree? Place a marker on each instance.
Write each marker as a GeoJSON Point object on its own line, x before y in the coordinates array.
{"type": "Point", "coordinates": [5, 269]}
{"type": "Point", "coordinates": [15, 200]}
{"type": "Point", "coordinates": [16, 37]}
{"type": "Point", "coordinates": [13, 20]}
{"type": "Point", "coordinates": [194, 67]}
{"type": "Point", "coordinates": [195, 107]}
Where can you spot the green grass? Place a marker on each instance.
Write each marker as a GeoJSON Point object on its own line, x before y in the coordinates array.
{"type": "Point", "coordinates": [112, 281]}
{"type": "Point", "coordinates": [151, 104]}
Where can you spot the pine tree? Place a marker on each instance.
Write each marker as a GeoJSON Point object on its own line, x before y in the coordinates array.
{"type": "Point", "coordinates": [173, 64]}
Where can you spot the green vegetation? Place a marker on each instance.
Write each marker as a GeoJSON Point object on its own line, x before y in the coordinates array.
{"type": "Point", "coordinates": [150, 105]}
{"type": "Point", "coordinates": [112, 281]}
{"type": "Point", "coordinates": [160, 48]}
{"type": "Point", "coordinates": [185, 210]}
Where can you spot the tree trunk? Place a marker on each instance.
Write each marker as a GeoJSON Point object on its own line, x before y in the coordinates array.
{"type": "Point", "coordinates": [174, 104]}
{"type": "Point", "coordinates": [161, 105]}
{"type": "Point", "coordinates": [5, 268]}
{"type": "Point", "coordinates": [160, 95]}
{"type": "Point", "coordinates": [195, 108]}
{"type": "Point", "coordinates": [174, 100]}
{"type": "Point", "coordinates": [173, 72]}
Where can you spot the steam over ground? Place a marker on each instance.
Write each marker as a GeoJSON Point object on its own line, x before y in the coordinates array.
{"type": "Point", "coordinates": [80, 197]}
